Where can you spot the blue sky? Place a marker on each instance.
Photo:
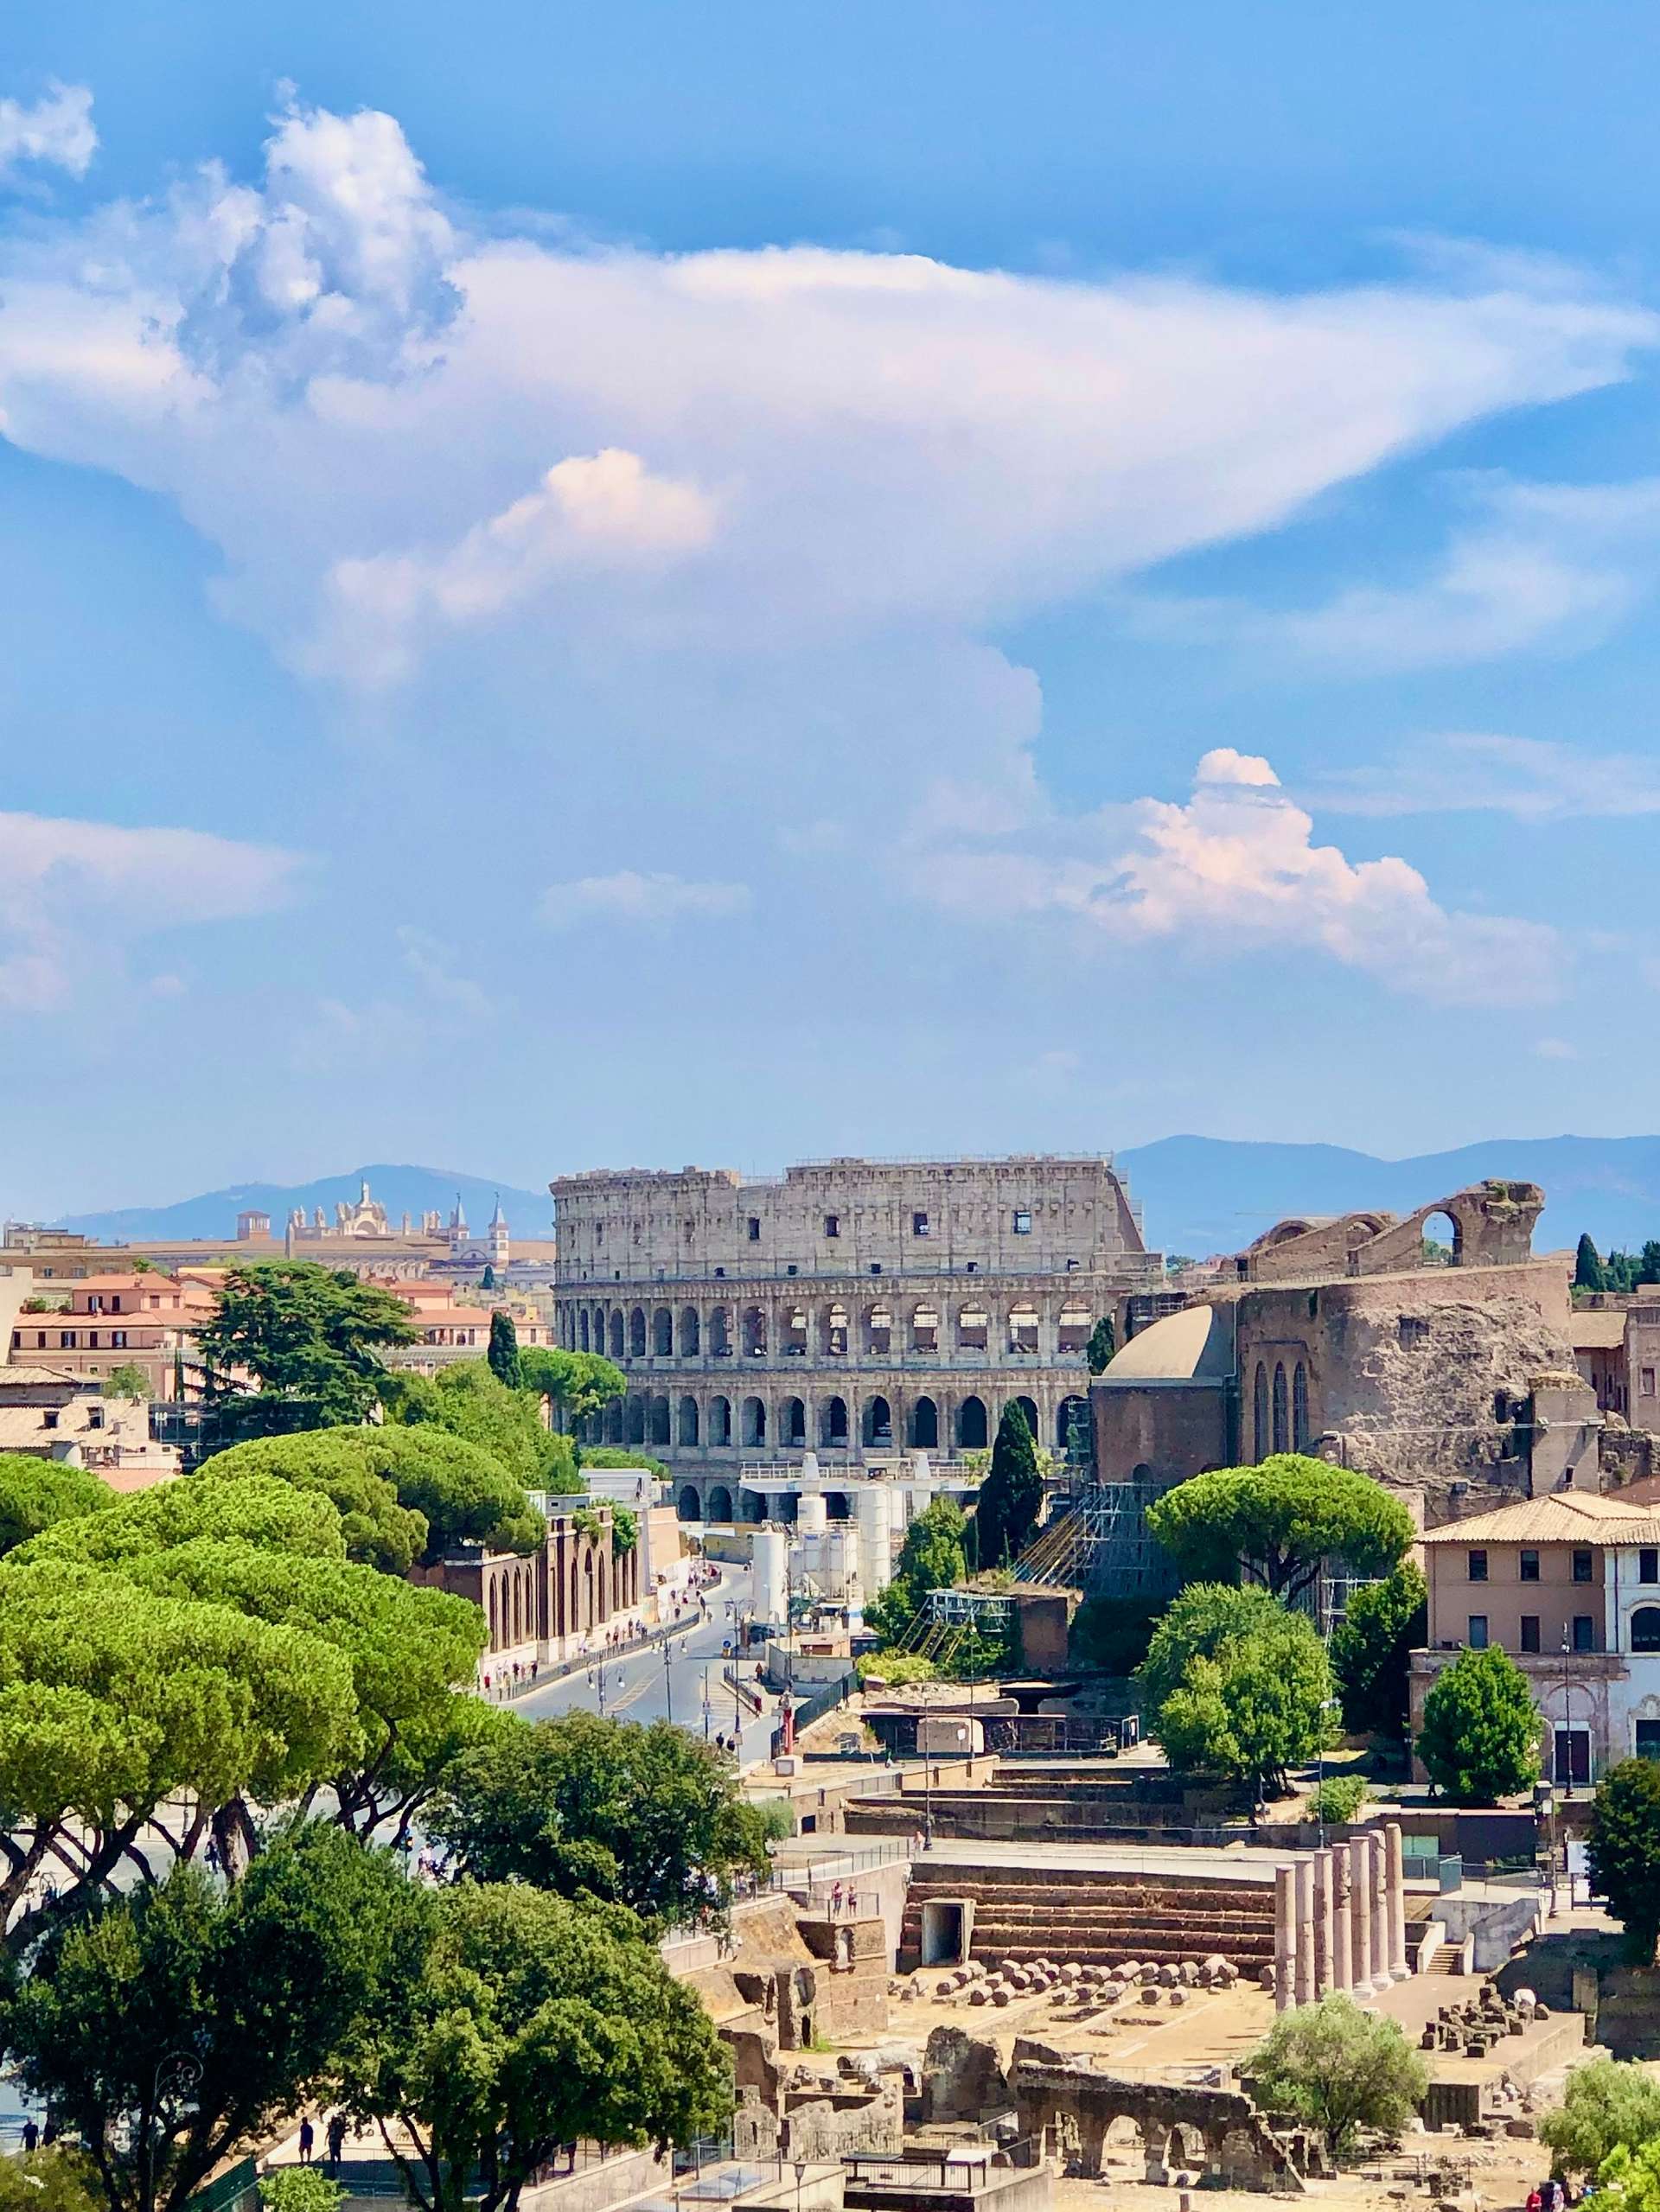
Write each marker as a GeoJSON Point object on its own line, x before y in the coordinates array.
{"type": "Point", "coordinates": [643, 584]}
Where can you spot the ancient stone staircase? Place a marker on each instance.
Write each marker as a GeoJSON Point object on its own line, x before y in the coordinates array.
{"type": "Point", "coordinates": [1097, 1918]}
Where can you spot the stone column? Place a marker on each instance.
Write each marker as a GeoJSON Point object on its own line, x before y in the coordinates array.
{"type": "Point", "coordinates": [1360, 1916]}
{"type": "Point", "coordinates": [1382, 1976]}
{"type": "Point", "coordinates": [1324, 1981]}
{"type": "Point", "coordinates": [1342, 1887]}
{"type": "Point", "coordinates": [1303, 1895]}
{"type": "Point", "coordinates": [1395, 1876]}
{"type": "Point", "coordinates": [1285, 1937]}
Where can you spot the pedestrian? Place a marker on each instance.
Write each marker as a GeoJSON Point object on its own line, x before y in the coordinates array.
{"type": "Point", "coordinates": [48, 2134]}
{"type": "Point", "coordinates": [336, 2139]}
{"type": "Point", "coordinates": [308, 2137]}
{"type": "Point", "coordinates": [1536, 2201]}
{"type": "Point", "coordinates": [31, 2135]}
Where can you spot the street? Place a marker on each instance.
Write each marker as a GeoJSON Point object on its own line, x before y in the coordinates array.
{"type": "Point", "coordinates": [640, 1687]}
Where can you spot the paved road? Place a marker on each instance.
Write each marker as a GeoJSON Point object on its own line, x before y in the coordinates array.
{"type": "Point", "coordinates": [642, 1687]}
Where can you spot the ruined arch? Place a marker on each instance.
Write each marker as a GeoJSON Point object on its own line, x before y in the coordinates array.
{"type": "Point", "coordinates": [754, 1422]}
{"type": "Point", "coordinates": [755, 1331]}
{"type": "Point", "coordinates": [1299, 1408]}
{"type": "Point", "coordinates": [687, 1437]}
{"type": "Point", "coordinates": [637, 1334]}
{"type": "Point", "coordinates": [691, 1333]}
{"type": "Point", "coordinates": [1029, 1407]}
{"type": "Point", "coordinates": [1281, 1414]}
{"type": "Point", "coordinates": [1260, 1415]}
{"type": "Point", "coordinates": [878, 1421]}
{"type": "Point", "coordinates": [617, 1350]}
{"type": "Point", "coordinates": [833, 1425]}
{"type": "Point", "coordinates": [925, 1426]}
{"type": "Point", "coordinates": [658, 1419]}
{"type": "Point", "coordinates": [662, 1334]}
{"type": "Point", "coordinates": [719, 1505]}
{"type": "Point", "coordinates": [1070, 1409]}
{"type": "Point", "coordinates": [688, 1506]}
{"type": "Point", "coordinates": [720, 1422]}
{"type": "Point", "coordinates": [792, 1423]}
{"type": "Point", "coordinates": [972, 1429]}
{"type": "Point", "coordinates": [720, 1333]}
{"type": "Point", "coordinates": [924, 1328]}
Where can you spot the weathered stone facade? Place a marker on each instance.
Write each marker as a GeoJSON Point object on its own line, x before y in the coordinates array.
{"type": "Point", "coordinates": [851, 1308]}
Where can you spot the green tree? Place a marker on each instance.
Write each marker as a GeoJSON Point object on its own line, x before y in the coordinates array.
{"type": "Point", "coordinates": [620, 1454]}
{"type": "Point", "coordinates": [128, 1381]}
{"type": "Point", "coordinates": [503, 1354]}
{"type": "Point", "coordinates": [1629, 2179]}
{"type": "Point", "coordinates": [1196, 1624]}
{"type": "Point", "coordinates": [581, 1384]}
{"type": "Point", "coordinates": [58, 2179]}
{"type": "Point", "coordinates": [1337, 2067]}
{"type": "Point", "coordinates": [36, 1493]}
{"type": "Point", "coordinates": [261, 1512]}
{"type": "Point", "coordinates": [1587, 1266]}
{"type": "Point", "coordinates": [536, 2022]}
{"type": "Point", "coordinates": [1113, 1633]}
{"type": "Point", "coordinates": [1605, 2104]}
{"type": "Point", "coordinates": [1005, 1511]}
{"type": "Point", "coordinates": [487, 1280]}
{"type": "Point", "coordinates": [625, 1530]}
{"type": "Point", "coordinates": [1253, 1709]}
{"type": "Point", "coordinates": [1100, 1347]}
{"type": "Point", "coordinates": [310, 1337]}
{"type": "Point", "coordinates": [1371, 1647]}
{"type": "Point", "coordinates": [1480, 1737]}
{"type": "Point", "coordinates": [648, 1817]}
{"type": "Point", "coordinates": [169, 2028]}
{"type": "Point", "coordinates": [1276, 1524]}
{"type": "Point", "coordinates": [1648, 1265]}
{"type": "Point", "coordinates": [300, 2189]}
{"type": "Point", "coordinates": [1625, 1852]}
{"type": "Point", "coordinates": [466, 1400]}
{"type": "Point", "coordinates": [932, 1556]}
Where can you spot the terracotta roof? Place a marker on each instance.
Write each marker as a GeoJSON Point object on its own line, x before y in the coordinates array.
{"type": "Point", "coordinates": [1564, 1517]}
{"type": "Point", "coordinates": [1596, 1331]}
{"type": "Point", "coordinates": [19, 1378]}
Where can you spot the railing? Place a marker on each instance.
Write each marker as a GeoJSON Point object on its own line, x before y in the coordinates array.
{"type": "Point", "coordinates": [941, 2170]}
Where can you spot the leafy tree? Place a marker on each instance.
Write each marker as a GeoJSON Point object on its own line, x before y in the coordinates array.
{"type": "Point", "coordinates": [1587, 1266]}
{"type": "Point", "coordinates": [1480, 1737]}
{"type": "Point", "coordinates": [1278, 1523]}
{"type": "Point", "coordinates": [260, 1511]}
{"type": "Point", "coordinates": [59, 2178]}
{"type": "Point", "coordinates": [1371, 1648]}
{"type": "Point", "coordinates": [897, 1668]}
{"type": "Point", "coordinates": [1006, 1510]}
{"type": "Point", "coordinates": [487, 1280]}
{"type": "Point", "coordinates": [1253, 1709]}
{"type": "Point", "coordinates": [1629, 2179]}
{"type": "Point", "coordinates": [503, 1354]}
{"type": "Point", "coordinates": [36, 1493]}
{"type": "Point", "coordinates": [618, 1455]}
{"type": "Point", "coordinates": [312, 1339]}
{"type": "Point", "coordinates": [1625, 1852]}
{"type": "Point", "coordinates": [1196, 1624]}
{"type": "Point", "coordinates": [128, 1381]}
{"type": "Point", "coordinates": [300, 2189]}
{"type": "Point", "coordinates": [1337, 2067]}
{"type": "Point", "coordinates": [169, 2028]}
{"type": "Point", "coordinates": [535, 2022]}
{"type": "Point", "coordinates": [1100, 1347]}
{"type": "Point", "coordinates": [1113, 1633]}
{"type": "Point", "coordinates": [932, 1556]}
{"type": "Point", "coordinates": [466, 1400]}
{"type": "Point", "coordinates": [625, 1530]}
{"type": "Point", "coordinates": [1338, 1798]}
{"type": "Point", "coordinates": [648, 1817]}
{"type": "Point", "coordinates": [581, 1384]}
{"type": "Point", "coordinates": [1605, 2104]}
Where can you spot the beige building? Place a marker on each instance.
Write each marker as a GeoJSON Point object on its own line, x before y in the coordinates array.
{"type": "Point", "coordinates": [145, 1320]}
{"type": "Point", "coordinates": [856, 1309]}
{"type": "Point", "coordinates": [46, 1412]}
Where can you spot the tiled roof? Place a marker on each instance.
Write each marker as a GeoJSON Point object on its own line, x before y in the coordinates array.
{"type": "Point", "coordinates": [19, 1378]}
{"type": "Point", "coordinates": [1564, 1517]}
{"type": "Point", "coordinates": [1596, 1331]}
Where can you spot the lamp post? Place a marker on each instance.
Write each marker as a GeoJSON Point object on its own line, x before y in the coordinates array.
{"type": "Point", "coordinates": [1327, 1704]}
{"type": "Point", "coordinates": [1567, 1718]}
{"type": "Point", "coordinates": [668, 1681]}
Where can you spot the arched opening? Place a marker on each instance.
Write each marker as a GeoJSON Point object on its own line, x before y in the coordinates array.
{"type": "Point", "coordinates": [637, 1425]}
{"type": "Point", "coordinates": [495, 1620]}
{"type": "Point", "coordinates": [1443, 1240]}
{"type": "Point", "coordinates": [755, 1421]}
{"type": "Point", "coordinates": [1259, 1414]}
{"type": "Point", "coordinates": [879, 1332]}
{"type": "Point", "coordinates": [1072, 1414]}
{"type": "Point", "coordinates": [793, 1423]}
{"type": "Point", "coordinates": [796, 1332]}
{"type": "Point", "coordinates": [752, 1505]}
{"type": "Point", "coordinates": [971, 1424]}
{"type": "Point", "coordinates": [720, 1334]}
{"type": "Point", "coordinates": [832, 1332]}
{"type": "Point", "coordinates": [720, 1422]}
{"type": "Point", "coordinates": [1281, 1417]}
{"type": "Point", "coordinates": [1645, 1629]}
{"type": "Point", "coordinates": [973, 1328]}
{"type": "Point", "coordinates": [660, 1421]}
{"type": "Point", "coordinates": [924, 1328]}
{"type": "Point", "coordinates": [575, 1620]}
{"type": "Point", "coordinates": [582, 1330]}
{"type": "Point", "coordinates": [617, 1352]}
{"type": "Point", "coordinates": [833, 1425]}
{"type": "Point", "coordinates": [662, 1334]}
{"type": "Point", "coordinates": [688, 1424]}
{"type": "Point", "coordinates": [1299, 1408]}
{"type": "Point", "coordinates": [755, 1331]}
{"type": "Point", "coordinates": [878, 1421]}
{"type": "Point", "coordinates": [925, 1426]}
{"type": "Point", "coordinates": [637, 1334]}
{"type": "Point", "coordinates": [1023, 1330]}
{"type": "Point", "coordinates": [691, 1334]}
{"type": "Point", "coordinates": [720, 1502]}
{"type": "Point", "coordinates": [613, 1421]}
{"type": "Point", "coordinates": [688, 1505]}
{"type": "Point", "coordinates": [1077, 1326]}
{"type": "Point", "coordinates": [1029, 1407]}
{"type": "Point", "coordinates": [835, 1505]}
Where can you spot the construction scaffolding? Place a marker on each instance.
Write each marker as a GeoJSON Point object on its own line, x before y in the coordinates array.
{"type": "Point", "coordinates": [1101, 1545]}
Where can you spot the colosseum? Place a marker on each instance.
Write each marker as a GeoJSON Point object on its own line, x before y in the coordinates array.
{"type": "Point", "coordinates": [856, 1309]}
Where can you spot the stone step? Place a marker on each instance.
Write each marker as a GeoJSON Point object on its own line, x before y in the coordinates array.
{"type": "Point", "coordinates": [1449, 1960]}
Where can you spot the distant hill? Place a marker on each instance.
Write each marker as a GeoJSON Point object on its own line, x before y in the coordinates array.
{"type": "Point", "coordinates": [400, 1190]}
{"type": "Point", "coordinates": [1199, 1195]}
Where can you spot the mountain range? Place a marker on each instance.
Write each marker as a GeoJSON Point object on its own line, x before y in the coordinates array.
{"type": "Point", "coordinates": [1198, 1195]}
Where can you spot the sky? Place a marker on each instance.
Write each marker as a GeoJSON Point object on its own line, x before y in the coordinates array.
{"type": "Point", "coordinates": [625, 586]}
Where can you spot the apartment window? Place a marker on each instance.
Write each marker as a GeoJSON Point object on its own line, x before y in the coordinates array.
{"type": "Point", "coordinates": [115, 1303]}
{"type": "Point", "coordinates": [1478, 1566]}
{"type": "Point", "coordinates": [95, 1416]}
{"type": "Point", "coordinates": [1648, 1565]}
{"type": "Point", "coordinates": [1530, 1566]}
{"type": "Point", "coordinates": [833, 1225]}
{"type": "Point", "coordinates": [68, 1341]}
{"type": "Point", "coordinates": [118, 1339]}
{"type": "Point", "coordinates": [1584, 1633]}
{"type": "Point", "coordinates": [919, 1225]}
{"type": "Point", "coordinates": [1581, 1566]}
{"type": "Point", "coordinates": [1477, 1638]}
{"type": "Point", "coordinates": [1645, 1381]}
{"type": "Point", "coordinates": [1530, 1632]}
{"type": "Point", "coordinates": [1023, 1221]}
{"type": "Point", "coordinates": [1648, 1739]}
{"type": "Point", "coordinates": [50, 1419]}
{"type": "Point", "coordinates": [755, 1228]}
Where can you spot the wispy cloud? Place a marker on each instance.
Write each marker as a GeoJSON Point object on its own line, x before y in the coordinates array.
{"type": "Point", "coordinates": [55, 131]}
{"type": "Point", "coordinates": [1468, 771]}
{"type": "Point", "coordinates": [628, 897]}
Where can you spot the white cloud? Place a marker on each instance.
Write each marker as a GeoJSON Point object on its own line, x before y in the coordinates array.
{"type": "Point", "coordinates": [1554, 1048]}
{"type": "Point", "coordinates": [432, 966]}
{"type": "Point", "coordinates": [64, 884]}
{"type": "Point", "coordinates": [1464, 771]}
{"type": "Point", "coordinates": [628, 897]}
{"type": "Point", "coordinates": [1235, 868]}
{"type": "Point", "coordinates": [56, 131]}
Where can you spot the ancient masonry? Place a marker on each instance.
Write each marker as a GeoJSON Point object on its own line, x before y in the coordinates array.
{"type": "Point", "coordinates": [853, 1308]}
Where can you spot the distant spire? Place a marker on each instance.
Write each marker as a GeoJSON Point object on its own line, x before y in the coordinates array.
{"type": "Point", "coordinates": [498, 1220]}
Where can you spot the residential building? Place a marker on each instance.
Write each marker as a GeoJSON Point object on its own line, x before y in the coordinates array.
{"type": "Point", "coordinates": [143, 1320]}
{"type": "Point", "coordinates": [49, 1412]}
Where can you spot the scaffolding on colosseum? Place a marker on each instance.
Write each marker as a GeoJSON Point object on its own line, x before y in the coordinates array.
{"type": "Point", "coordinates": [1102, 1545]}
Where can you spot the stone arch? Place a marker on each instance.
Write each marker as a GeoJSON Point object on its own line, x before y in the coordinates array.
{"type": "Point", "coordinates": [792, 1423]}
{"type": "Point", "coordinates": [1444, 1229]}
{"type": "Point", "coordinates": [720, 1333]}
{"type": "Point", "coordinates": [1070, 1409]}
{"type": "Point", "coordinates": [636, 1419]}
{"type": "Point", "coordinates": [1029, 1407]}
{"type": "Point", "coordinates": [1281, 1414]}
{"type": "Point", "coordinates": [755, 1331]}
{"type": "Point", "coordinates": [878, 1421]}
{"type": "Point", "coordinates": [833, 1425]}
{"type": "Point", "coordinates": [1299, 1408]}
{"type": "Point", "coordinates": [794, 1332]}
{"type": "Point", "coordinates": [877, 1330]}
{"type": "Point", "coordinates": [662, 1334]}
{"type": "Point", "coordinates": [496, 1620]}
{"type": "Point", "coordinates": [575, 1620]}
{"type": "Point", "coordinates": [972, 1429]}
{"type": "Point", "coordinates": [617, 1350]}
{"type": "Point", "coordinates": [973, 1327]}
{"type": "Point", "coordinates": [658, 1431]}
{"type": "Point", "coordinates": [637, 1334]}
{"type": "Point", "coordinates": [719, 1505]}
{"type": "Point", "coordinates": [720, 1422]}
{"type": "Point", "coordinates": [925, 1426]}
{"type": "Point", "coordinates": [688, 1505]}
{"type": "Point", "coordinates": [691, 1333]}
{"type": "Point", "coordinates": [613, 1421]}
{"type": "Point", "coordinates": [1074, 1329]}
{"type": "Point", "coordinates": [836, 1505]}
{"type": "Point", "coordinates": [924, 1332]}
{"type": "Point", "coordinates": [753, 1422]}
{"type": "Point", "coordinates": [1023, 1329]}
{"type": "Point", "coordinates": [687, 1437]}
{"type": "Point", "coordinates": [582, 1328]}
{"type": "Point", "coordinates": [832, 1332]}
{"type": "Point", "coordinates": [1260, 1415]}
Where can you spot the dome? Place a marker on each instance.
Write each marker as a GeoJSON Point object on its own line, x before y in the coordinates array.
{"type": "Point", "coordinates": [1195, 1345]}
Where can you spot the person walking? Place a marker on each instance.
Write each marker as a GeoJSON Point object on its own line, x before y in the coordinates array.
{"type": "Point", "coordinates": [31, 2135]}
{"type": "Point", "coordinates": [308, 2138]}
{"type": "Point", "coordinates": [336, 2138]}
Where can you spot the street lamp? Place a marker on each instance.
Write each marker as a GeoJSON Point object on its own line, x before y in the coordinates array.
{"type": "Point", "coordinates": [1567, 1719]}
{"type": "Point", "coordinates": [668, 1681]}
{"type": "Point", "coordinates": [1327, 1704]}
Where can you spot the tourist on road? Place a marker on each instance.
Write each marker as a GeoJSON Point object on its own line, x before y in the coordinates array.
{"type": "Point", "coordinates": [308, 2137]}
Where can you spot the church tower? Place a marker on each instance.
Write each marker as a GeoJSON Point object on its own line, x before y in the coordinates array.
{"type": "Point", "coordinates": [458, 1229]}
{"type": "Point", "coordinates": [500, 1248]}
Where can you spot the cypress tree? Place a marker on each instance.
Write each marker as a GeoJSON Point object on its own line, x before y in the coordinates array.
{"type": "Point", "coordinates": [503, 1354]}
{"type": "Point", "coordinates": [1100, 1347]}
{"type": "Point", "coordinates": [1589, 1272]}
{"type": "Point", "coordinates": [1011, 1495]}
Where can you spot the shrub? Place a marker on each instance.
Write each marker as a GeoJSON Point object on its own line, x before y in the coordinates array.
{"type": "Point", "coordinates": [1480, 1737]}
{"type": "Point", "coordinates": [894, 1667]}
{"type": "Point", "coordinates": [1338, 1798]}
{"type": "Point", "coordinates": [1337, 2067]}
{"type": "Point", "coordinates": [1607, 2104]}
{"type": "Point", "coordinates": [299, 2189]}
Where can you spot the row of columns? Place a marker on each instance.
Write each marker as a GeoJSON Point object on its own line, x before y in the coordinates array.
{"type": "Point", "coordinates": [836, 1332]}
{"type": "Point", "coordinates": [1340, 1920]}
